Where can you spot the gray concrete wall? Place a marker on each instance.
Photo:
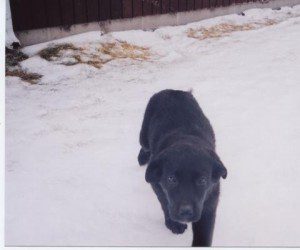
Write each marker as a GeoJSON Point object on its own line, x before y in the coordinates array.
{"type": "Point", "coordinates": [31, 37]}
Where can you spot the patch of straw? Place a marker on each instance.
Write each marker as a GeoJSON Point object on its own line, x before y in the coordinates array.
{"type": "Point", "coordinates": [104, 53]}
{"type": "Point", "coordinates": [24, 75]}
{"type": "Point", "coordinates": [122, 49]}
{"type": "Point", "coordinates": [224, 29]}
{"type": "Point", "coordinates": [53, 52]}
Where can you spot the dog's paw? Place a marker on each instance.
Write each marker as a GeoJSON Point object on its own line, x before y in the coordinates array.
{"type": "Point", "coordinates": [175, 227]}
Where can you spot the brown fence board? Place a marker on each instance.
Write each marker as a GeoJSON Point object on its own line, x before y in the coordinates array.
{"type": "Point", "coordinates": [127, 8]}
{"type": "Point", "coordinates": [67, 9]}
{"type": "Point", "coordinates": [174, 6]}
{"type": "Point", "coordinates": [198, 4]}
{"type": "Point", "coordinates": [190, 5]}
{"type": "Point", "coordinates": [137, 8]}
{"type": "Point", "coordinates": [147, 7]}
{"type": "Point", "coordinates": [116, 9]}
{"type": "Point", "coordinates": [16, 14]}
{"type": "Point", "coordinates": [226, 2]}
{"type": "Point", "coordinates": [92, 10]}
{"type": "Point", "coordinates": [21, 12]}
{"type": "Point", "coordinates": [219, 3]}
{"type": "Point", "coordinates": [25, 11]}
{"type": "Point", "coordinates": [182, 5]}
{"type": "Point", "coordinates": [212, 3]}
{"type": "Point", "coordinates": [53, 13]}
{"type": "Point", "coordinates": [104, 10]}
{"type": "Point", "coordinates": [38, 14]}
{"type": "Point", "coordinates": [205, 4]}
{"type": "Point", "coordinates": [80, 11]}
{"type": "Point", "coordinates": [165, 6]}
{"type": "Point", "coordinates": [156, 7]}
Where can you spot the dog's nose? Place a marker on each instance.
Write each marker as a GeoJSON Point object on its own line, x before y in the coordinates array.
{"type": "Point", "coordinates": [186, 211]}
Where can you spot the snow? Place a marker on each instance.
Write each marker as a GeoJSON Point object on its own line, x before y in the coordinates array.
{"type": "Point", "coordinates": [9, 33]}
{"type": "Point", "coordinates": [72, 176]}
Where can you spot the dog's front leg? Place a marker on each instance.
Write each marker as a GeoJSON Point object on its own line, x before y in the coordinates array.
{"type": "Point", "coordinates": [203, 229]}
{"type": "Point", "coordinates": [175, 227]}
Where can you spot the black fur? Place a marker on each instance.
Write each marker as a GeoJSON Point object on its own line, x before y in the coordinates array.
{"type": "Point", "coordinates": [178, 143]}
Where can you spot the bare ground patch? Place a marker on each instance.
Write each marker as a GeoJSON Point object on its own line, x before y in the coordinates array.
{"type": "Point", "coordinates": [26, 76]}
{"type": "Point", "coordinates": [13, 57]}
{"type": "Point", "coordinates": [224, 29]}
{"type": "Point", "coordinates": [12, 67]}
{"type": "Point", "coordinates": [53, 52]}
{"type": "Point", "coordinates": [95, 55]}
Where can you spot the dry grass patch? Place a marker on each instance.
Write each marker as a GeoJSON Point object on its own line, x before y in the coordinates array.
{"type": "Point", "coordinates": [119, 50]}
{"type": "Point", "coordinates": [12, 67]}
{"type": "Point", "coordinates": [53, 52]}
{"type": "Point", "coordinates": [269, 22]}
{"type": "Point", "coordinates": [95, 55]}
{"type": "Point", "coordinates": [13, 57]}
{"type": "Point", "coordinates": [24, 75]}
{"type": "Point", "coordinates": [225, 29]}
{"type": "Point", "coordinates": [93, 61]}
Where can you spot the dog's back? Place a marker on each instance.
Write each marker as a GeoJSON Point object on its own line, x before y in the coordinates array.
{"type": "Point", "coordinates": [174, 111]}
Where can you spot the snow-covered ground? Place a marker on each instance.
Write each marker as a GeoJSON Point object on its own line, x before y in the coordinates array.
{"type": "Point", "coordinates": [72, 176]}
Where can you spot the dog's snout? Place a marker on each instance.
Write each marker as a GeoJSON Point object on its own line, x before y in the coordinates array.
{"type": "Point", "coordinates": [186, 211]}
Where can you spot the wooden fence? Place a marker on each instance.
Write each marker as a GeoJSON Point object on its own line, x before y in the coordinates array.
{"type": "Point", "coordinates": [36, 14]}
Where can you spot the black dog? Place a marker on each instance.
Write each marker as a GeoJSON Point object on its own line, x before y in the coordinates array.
{"type": "Point", "coordinates": [184, 170]}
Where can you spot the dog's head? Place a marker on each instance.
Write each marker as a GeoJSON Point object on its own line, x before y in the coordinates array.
{"type": "Point", "coordinates": [186, 176]}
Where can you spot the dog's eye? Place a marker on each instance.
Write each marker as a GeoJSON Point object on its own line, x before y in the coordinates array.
{"type": "Point", "coordinates": [172, 179]}
{"type": "Point", "coordinates": [201, 181]}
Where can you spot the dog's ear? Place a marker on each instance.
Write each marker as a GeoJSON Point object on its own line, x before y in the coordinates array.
{"type": "Point", "coordinates": [219, 169]}
{"type": "Point", "coordinates": [154, 171]}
